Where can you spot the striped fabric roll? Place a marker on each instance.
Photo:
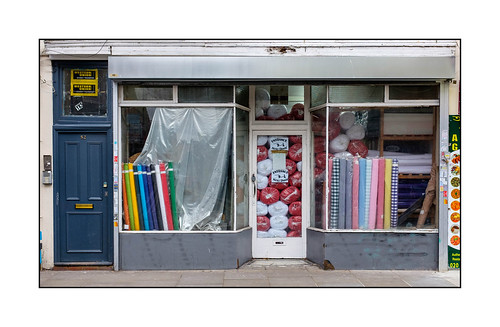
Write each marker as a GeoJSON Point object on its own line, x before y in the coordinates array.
{"type": "Point", "coordinates": [335, 190]}
{"type": "Point", "coordinates": [367, 194]}
{"type": "Point", "coordinates": [342, 189]}
{"type": "Point", "coordinates": [348, 195]}
{"type": "Point", "coordinates": [394, 193]}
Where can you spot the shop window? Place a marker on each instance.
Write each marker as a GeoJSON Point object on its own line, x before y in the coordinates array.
{"type": "Point", "coordinates": [84, 92]}
{"type": "Point", "coordinates": [279, 102]}
{"type": "Point", "coordinates": [365, 178]}
{"type": "Point", "coordinates": [150, 91]}
{"type": "Point", "coordinates": [205, 94]}
{"type": "Point", "coordinates": [356, 93]}
{"type": "Point", "coordinates": [318, 95]}
{"type": "Point", "coordinates": [413, 92]}
{"type": "Point", "coordinates": [243, 95]}
{"type": "Point", "coordinates": [177, 168]}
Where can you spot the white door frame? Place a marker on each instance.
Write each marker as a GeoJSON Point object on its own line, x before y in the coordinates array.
{"type": "Point", "coordinates": [290, 247]}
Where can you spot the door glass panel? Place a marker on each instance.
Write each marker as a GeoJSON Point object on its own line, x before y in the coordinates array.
{"type": "Point", "coordinates": [84, 92]}
{"type": "Point", "coordinates": [279, 186]}
{"type": "Point", "coordinates": [279, 102]}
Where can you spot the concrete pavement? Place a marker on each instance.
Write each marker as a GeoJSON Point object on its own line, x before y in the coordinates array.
{"type": "Point", "coordinates": [256, 273]}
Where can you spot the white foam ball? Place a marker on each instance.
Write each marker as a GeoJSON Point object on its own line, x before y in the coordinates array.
{"type": "Point", "coordinates": [276, 111]}
{"type": "Point", "coordinates": [261, 209]}
{"type": "Point", "coordinates": [262, 181]}
{"type": "Point", "coordinates": [339, 144]}
{"type": "Point", "coordinates": [265, 167]}
{"type": "Point", "coordinates": [278, 209]}
{"type": "Point", "coordinates": [356, 132]}
{"type": "Point", "coordinates": [346, 120]}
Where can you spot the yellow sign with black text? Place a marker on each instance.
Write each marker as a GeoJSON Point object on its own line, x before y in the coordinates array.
{"type": "Point", "coordinates": [84, 82]}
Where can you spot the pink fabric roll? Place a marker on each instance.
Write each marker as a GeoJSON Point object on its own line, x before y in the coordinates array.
{"type": "Point", "coordinates": [372, 218]}
{"type": "Point", "coordinates": [380, 196]}
{"type": "Point", "coordinates": [328, 191]}
{"type": "Point", "coordinates": [355, 192]}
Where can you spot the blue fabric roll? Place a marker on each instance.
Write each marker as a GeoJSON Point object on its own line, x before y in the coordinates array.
{"type": "Point", "coordinates": [348, 195]}
{"type": "Point", "coordinates": [138, 197]}
{"type": "Point", "coordinates": [143, 197]}
{"type": "Point", "coordinates": [362, 192]}
{"type": "Point", "coordinates": [368, 185]}
{"type": "Point", "coordinates": [148, 199]}
{"type": "Point", "coordinates": [342, 187]}
{"type": "Point", "coordinates": [152, 201]}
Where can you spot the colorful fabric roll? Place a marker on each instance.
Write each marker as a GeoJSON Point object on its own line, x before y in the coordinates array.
{"type": "Point", "coordinates": [152, 196]}
{"type": "Point", "coordinates": [387, 193]}
{"type": "Point", "coordinates": [355, 193]}
{"type": "Point", "coordinates": [133, 192]}
{"type": "Point", "coordinates": [334, 205]}
{"type": "Point", "coordinates": [362, 192]}
{"type": "Point", "coordinates": [379, 224]}
{"type": "Point", "coordinates": [127, 200]}
{"type": "Point", "coordinates": [348, 192]}
{"type": "Point", "coordinates": [368, 185]}
{"type": "Point", "coordinates": [142, 189]}
{"type": "Point", "coordinates": [161, 198]}
{"type": "Point", "coordinates": [140, 217]}
{"type": "Point", "coordinates": [372, 218]}
{"type": "Point", "coordinates": [394, 193]}
{"type": "Point", "coordinates": [166, 196]}
{"type": "Point", "coordinates": [171, 184]}
{"type": "Point", "coordinates": [342, 191]}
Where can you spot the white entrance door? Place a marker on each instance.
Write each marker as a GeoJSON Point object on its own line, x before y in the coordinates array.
{"type": "Point", "coordinates": [279, 213]}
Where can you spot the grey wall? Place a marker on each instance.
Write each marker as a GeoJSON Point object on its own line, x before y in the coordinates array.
{"type": "Point", "coordinates": [179, 251]}
{"type": "Point", "coordinates": [371, 251]}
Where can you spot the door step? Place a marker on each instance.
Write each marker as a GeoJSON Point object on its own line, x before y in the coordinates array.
{"type": "Point", "coordinates": [81, 267]}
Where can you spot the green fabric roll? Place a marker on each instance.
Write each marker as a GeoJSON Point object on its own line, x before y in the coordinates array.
{"type": "Point", "coordinates": [171, 184]}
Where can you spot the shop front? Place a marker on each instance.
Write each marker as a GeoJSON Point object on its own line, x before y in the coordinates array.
{"type": "Point", "coordinates": [215, 160]}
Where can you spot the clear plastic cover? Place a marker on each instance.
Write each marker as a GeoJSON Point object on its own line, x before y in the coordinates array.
{"type": "Point", "coordinates": [198, 143]}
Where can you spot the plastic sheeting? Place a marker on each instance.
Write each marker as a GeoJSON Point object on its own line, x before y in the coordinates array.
{"type": "Point", "coordinates": [198, 142]}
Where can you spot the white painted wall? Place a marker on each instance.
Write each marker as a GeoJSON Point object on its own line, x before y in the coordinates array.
{"type": "Point", "coordinates": [46, 191]}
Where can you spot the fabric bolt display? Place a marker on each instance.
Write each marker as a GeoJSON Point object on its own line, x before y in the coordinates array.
{"type": "Point", "coordinates": [261, 209]}
{"type": "Point", "coordinates": [295, 152]}
{"type": "Point", "coordinates": [334, 196]}
{"type": "Point", "coordinates": [277, 209]}
{"type": "Point", "coordinates": [362, 193]}
{"type": "Point", "coordinates": [372, 218]}
{"type": "Point", "coordinates": [136, 196]}
{"type": "Point", "coordinates": [327, 192]}
{"type": "Point", "coordinates": [161, 197]}
{"type": "Point", "coordinates": [147, 193]}
{"type": "Point", "coordinates": [156, 196]}
{"type": "Point", "coordinates": [339, 144]}
{"type": "Point", "coordinates": [289, 195]}
{"type": "Point", "coordinates": [171, 184]}
{"type": "Point", "coordinates": [355, 193]}
{"type": "Point", "coordinates": [279, 222]}
{"type": "Point", "coordinates": [348, 195]}
{"type": "Point", "coordinates": [126, 200]}
{"type": "Point", "coordinates": [265, 167]}
{"type": "Point", "coordinates": [342, 192]}
{"type": "Point", "coordinates": [269, 195]}
{"type": "Point", "coordinates": [291, 166]}
{"type": "Point", "coordinates": [387, 193]}
{"type": "Point", "coordinates": [379, 224]}
{"type": "Point", "coordinates": [295, 208]}
{"type": "Point", "coordinates": [368, 183]}
{"type": "Point", "coordinates": [144, 205]}
{"type": "Point", "coordinates": [357, 147]}
{"type": "Point", "coordinates": [356, 132]}
{"type": "Point", "coordinates": [394, 193]}
{"type": "Point", "coordinates": [152, 203]}
{"type": "Point", "coordinates": [347, 120]}
{"type": "Point", "coordinates": [263, 223]}
{"type": "Point", "coordinates": [166, 196]}
{"type": "Point", "coordinates": [295, 223]}
{"type": "Point", "coordinates": [261, 153]}
{"type": "Point", "coordinates": [295, 179]}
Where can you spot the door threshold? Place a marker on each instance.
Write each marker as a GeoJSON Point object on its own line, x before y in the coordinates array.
{"type": "Point", "coordinates": [78, 267]}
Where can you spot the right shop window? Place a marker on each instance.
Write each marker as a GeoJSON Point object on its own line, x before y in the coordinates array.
{"type": "Point", "coordinates": [374, 168]}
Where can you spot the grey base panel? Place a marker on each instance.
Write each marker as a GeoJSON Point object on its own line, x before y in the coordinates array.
{"type": "Point", "coordinates": [181, 251]}
{"type": "Point", "coordinates": [374, 250]}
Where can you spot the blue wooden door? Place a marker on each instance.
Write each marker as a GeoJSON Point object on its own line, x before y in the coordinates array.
{"type": "Point", "coordinates": [83, 197]}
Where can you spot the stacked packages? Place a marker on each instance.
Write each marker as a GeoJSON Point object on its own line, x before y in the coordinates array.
{"type": "Point", "coordinates": [363, 193]}
{"type": "Point", "coordinates": [149, 197]}
{"type": "Point", "coordinates": [279, 206]}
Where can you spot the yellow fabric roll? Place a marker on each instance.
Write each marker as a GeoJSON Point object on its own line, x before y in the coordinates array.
{"type": "Point", "coordinates": [134, 198]}
{"type": "Point", "coordinates": [387, 191]}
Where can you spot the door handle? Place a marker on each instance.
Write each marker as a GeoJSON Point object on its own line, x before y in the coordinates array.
{"type": "Point", "coordinates": [254, 185]}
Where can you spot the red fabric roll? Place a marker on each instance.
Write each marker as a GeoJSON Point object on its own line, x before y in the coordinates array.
{"type": "Point", "coordinates": [293, 233]}
{"type": "Point", "coordinates": [333, 130]}
{"type": "Point", "coordinates": [263, 223]}
{"type": "Point", "coordinates": [289, 195]}
{"type": "Point", "coordinates": [295, 152]}
{"type": "Point", "coordinates": [258, 195]}
{"type": "Point", "coordinates": [291, 166]}
{"type": "Point", "coordinates": [261, 153]}
{"type": "Point", "coordinates": [295, 208]}
{"type": "Point", "coordinates": [279, 186]}
{"type": "Point", "coordinates": [269, 195]}
{"type": "Point", "coordinates": [286, 117]}
{"type": "Point", "coordinates": [319, 144]}
{"type": "Point", "coordinates": [295, 139]}
{"type": "Point", "coordinates": [295, 223]}
{"type": "Point", "coordinates": [321, 161]}
{"type": "Point", "coordinates": [295, 179]}
{"type": "Point", "coordinates": [357, 147]}
{"type": "Point", "coordinates": [264, 118]}
{"type": "Point", "coordinates": [298, 111]}
{"type": "Point", "coordinates": [318, 172]}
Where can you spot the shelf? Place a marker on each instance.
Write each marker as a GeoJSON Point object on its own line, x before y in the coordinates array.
{"type": "Point", "coordinates": [407, 137]}
{"type": "Point", "coordinates": [414, 176]}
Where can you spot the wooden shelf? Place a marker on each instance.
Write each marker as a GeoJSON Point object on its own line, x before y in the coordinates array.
{"type": "Point", "coordinates": [407, 137]}
{"type": "Point", "coordinates": [414, 176]}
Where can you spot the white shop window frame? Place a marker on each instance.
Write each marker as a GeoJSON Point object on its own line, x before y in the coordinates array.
{"type": "Point", "coordinates": [119, 104]}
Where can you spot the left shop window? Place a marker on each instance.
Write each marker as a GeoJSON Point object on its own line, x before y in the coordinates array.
{"type": "Point", "coordinates": [84, 92]}
{"type": "Point", "coordinates": [176, 168]}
